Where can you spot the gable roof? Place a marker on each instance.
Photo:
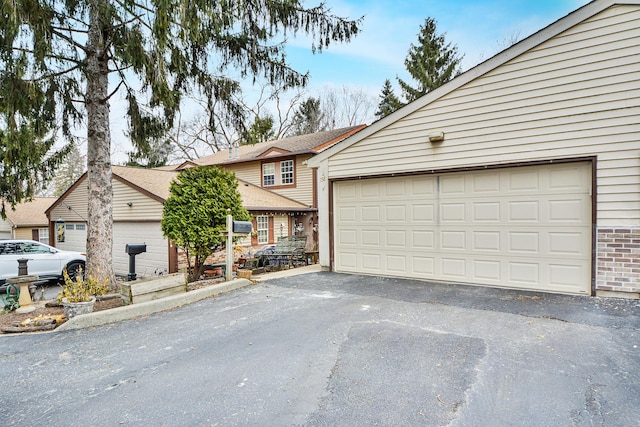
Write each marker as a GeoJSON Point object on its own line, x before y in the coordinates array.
{"type": "Point", "coordinates": [312, 143]}
{"type": "Point", "coordinates": [572, 19]}
{"type": "Point", "coordinates": [153, 182]}
{"type": "Point", "coordinates": [156, 183]}
{"type": "Point", "coordinates": [255, 198]}
{"type": "Point", "coordinates": [31, 213]}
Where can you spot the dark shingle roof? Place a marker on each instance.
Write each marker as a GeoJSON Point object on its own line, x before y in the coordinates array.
{"type": "Point", "coordinates": [310, 143]}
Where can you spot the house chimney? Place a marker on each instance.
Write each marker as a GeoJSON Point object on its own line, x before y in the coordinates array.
{"type": "Point", "coordinates": [230, 152]}
{"type": "Point", "coordinates": [238, 150]}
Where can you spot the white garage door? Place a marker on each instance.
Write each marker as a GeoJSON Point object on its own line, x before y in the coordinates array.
{"type": "Point", "coordinates": [526, 227]}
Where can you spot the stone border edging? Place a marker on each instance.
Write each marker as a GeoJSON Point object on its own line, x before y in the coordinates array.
{"type": "Point", "coordinates": [150, 307]}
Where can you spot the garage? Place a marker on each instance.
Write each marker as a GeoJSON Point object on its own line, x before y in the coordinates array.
{"type": "Point", "coordinates": [518, 227]}
{"type": "Point", "coordinates": [154, 261]}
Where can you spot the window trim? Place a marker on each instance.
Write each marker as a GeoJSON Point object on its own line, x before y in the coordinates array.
{"type": "Point", "coordinates": [263, 174]}
{"type": "Point", "coordinates": [262, 232]}
{"type": "Point", "coordinates": [292, 172]}
{"type": "Point", "coordinates": [277, 164]}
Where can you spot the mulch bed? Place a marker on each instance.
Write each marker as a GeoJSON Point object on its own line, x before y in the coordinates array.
{"type": "Point", "coordinates": [8, 321]}
{"type": "Point", "coordinates": [46, 309]}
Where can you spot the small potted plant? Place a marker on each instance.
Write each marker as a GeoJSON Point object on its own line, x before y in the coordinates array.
{"type": "Point", "coordinates": [78, 295]}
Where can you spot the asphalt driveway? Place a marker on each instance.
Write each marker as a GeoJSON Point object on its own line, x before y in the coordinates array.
{"type": "Point", "coordinates": [329, 349]}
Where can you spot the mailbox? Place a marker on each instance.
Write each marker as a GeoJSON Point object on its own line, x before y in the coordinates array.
{"type": "Point", "coordinates": [242, 227]}
{"type": "Point", "coordinates": [135, 248]}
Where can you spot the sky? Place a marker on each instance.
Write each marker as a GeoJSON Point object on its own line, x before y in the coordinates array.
{"type": "Point", "coordinates": [479, 29]}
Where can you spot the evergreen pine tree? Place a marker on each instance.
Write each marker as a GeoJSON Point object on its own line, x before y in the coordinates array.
{"type": "Point", "coordinates": [260, 131]}
{"type": "Point", "coordinates": [309, 118]}
{"type": "Point", "coordinates": [61, 62]}
{"type": "Point", "coordinates": [431, 63]}
{"type": "Point", "coordinates": [389, 102]}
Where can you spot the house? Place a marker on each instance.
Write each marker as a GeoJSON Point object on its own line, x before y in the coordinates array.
{"type": "Point", "coordinates": [27, 221]}
{"type": "Point", "coordinates": [280, 166]}
{"type": "Point", "coordinates": [138, 199]}
{"type": "Point", "coordinates": [522, 173]}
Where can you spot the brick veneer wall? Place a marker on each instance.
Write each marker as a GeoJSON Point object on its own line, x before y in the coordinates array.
{"type": "Point", "coordinates": [618, 264]}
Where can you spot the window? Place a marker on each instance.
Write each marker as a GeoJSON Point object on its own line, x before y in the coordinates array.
{"type": "Point", "coordinates": [268, 174]}
{"type": "Point", "coordinates": [80, 226]}
{"type": "Point", "coordinates": [43, 235]}
{"type": "Point", "coordinates": [286, 172]}
{"type": "Point", "coordinates": [70, 226]}
{"type": "Point", "coordinates": [263, 228]}
{"type": "Point", "coordinates": [282, 173]}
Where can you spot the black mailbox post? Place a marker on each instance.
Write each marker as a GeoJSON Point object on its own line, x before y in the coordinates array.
{"type": "Point", "coordinates": [133, 249]}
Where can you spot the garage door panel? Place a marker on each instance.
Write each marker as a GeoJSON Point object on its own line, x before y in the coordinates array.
{"type": "Point", "coordinates": [424, 265]}
{"type": "Point", "coordinates": [348, 237]}
{"type": "Point", "coordinates": [371, 261]}
{"type": "Point", "coordinates": [396, 213]}
{"type": "Point", "coordinates": [423, 213]}
{"type": "Point", "coordinates": [452, 213]}
{"type": "Point", "coordinates": [564, 275]}
{"type": "Point", "coordinates": [395, 189]}
{"type": "Point", "coordinates": [346, 191]}
{"type": "Point", "coordinates": [566, 211]}
{"type": "Point", "coordinates": [524, 242]}
{"type": "Point", "coordinates": [525, 211]}
{"type": "Point", "coordinates": [347, 214]}
{"type": "Point", "coordinates": [422, 239]}
{"type": "Point", "coordinates": [423, 186]}
{"type": "Point", "coordinates": [371, 189]}
{"type": "Point", "coordinates": [568, 178]}
{"type": "Point", "coordinates": [487, 270]}
{"type": "Point", "coordinates": [453, 268]}
{"type": "Point", "coordinates": [507, 227]}
{"type": "Point", "coordinates": [523, 272]}
{"type": "Point", "coordinates": [486, 241]}
{"type": "Point", "coordinates": [369, 214]}
{"type": "Point", "coordinates": [486, 184]}
{"type": "Point", "coordinates": [452, 185]}
{"type": "Point", "coordinates": [523, 181]}
{"type": "Point", "coordinates": [396, 238]}
{"type": "Point", "coordinates": [488, 212]}
{"type": "Point", "coordinates": [453, 240]}
{"type": "Point", "coordinates": [567, 244]}
{"type": "Point", "coordinates": [371, 238]}
{"type": "Point", "coordinates": [396, 263]}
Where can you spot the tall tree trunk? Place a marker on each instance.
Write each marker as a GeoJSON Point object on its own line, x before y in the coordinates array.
{"type": "Point", "coordinates": [100, 215]}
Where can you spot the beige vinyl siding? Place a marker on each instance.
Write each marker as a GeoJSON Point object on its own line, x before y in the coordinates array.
{"type": "Point", "coordinates": [143, 208]}
{"type": "Point", "coordinates": [24, 233]}
{"type": "Point", "coordinates": [5, 229]}
{"type": "Point", "coordinates": [575, 95]}
{"type": "Point", "coordinates": [77, 200]}
{"type": "Point", "coordinates": [249, 172]}
{"type": "Point", "coordinates": [302, 192]}
{"type": "Point", "coordinates": [150, 263]}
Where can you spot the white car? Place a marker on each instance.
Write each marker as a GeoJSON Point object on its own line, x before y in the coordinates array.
{"type": "Point", "coordinates": [45, 261]}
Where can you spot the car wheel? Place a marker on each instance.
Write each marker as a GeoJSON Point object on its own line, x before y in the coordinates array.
{"type": "Point", "coordinates": [74, 268]}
